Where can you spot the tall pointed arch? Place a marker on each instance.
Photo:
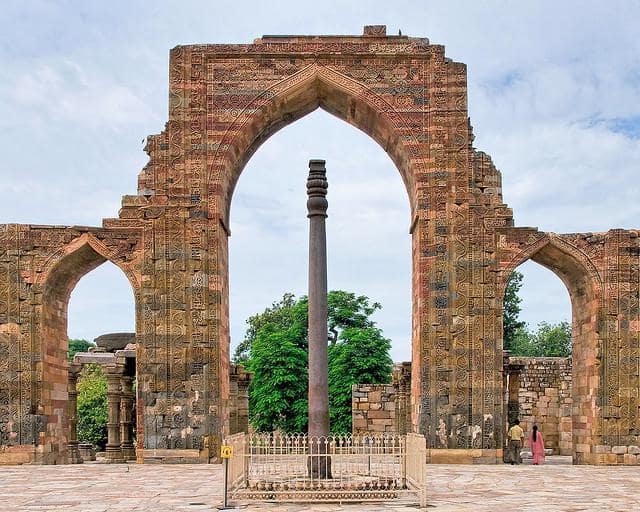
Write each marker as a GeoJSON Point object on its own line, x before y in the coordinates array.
{"type": "Point", "coordinates": [60, 275]}
{"type": "Point", "coordinates": [315, 86]}
{"type": "Point", "coordinates": [584, 284]}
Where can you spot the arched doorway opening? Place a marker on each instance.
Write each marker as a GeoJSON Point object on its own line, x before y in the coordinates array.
{"type": "Point", "coordinates": [582, 283]}
{"type": "Point", "coordinates": [367, 229]}
{"type": "Point", "coordinates": [57, 392]}
{"type": "Point", "coordinates": [537, 344]}
{"type": "Point", "coordinates": [102, 312]}
{"type": "Point", "coordinates": [314, 87]}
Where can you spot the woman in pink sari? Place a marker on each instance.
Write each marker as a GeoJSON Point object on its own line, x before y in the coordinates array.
{"type": "Point", "coordinates": [536, 443]}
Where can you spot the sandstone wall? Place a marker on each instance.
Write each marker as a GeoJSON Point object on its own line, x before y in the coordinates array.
{"type": "Point", "coordinates": [239, 381]}
{"type": "Point", "coordinates": [374, 408]}
{"type": "Point", "coordinates": [544, 398]}
{"type": "Point", "coordinates": [171, 239]}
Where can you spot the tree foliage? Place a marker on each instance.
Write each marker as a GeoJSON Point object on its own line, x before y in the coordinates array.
{"type": "Point", "coordinates": [550, 340]}
{"type": "Point", "coordinates": [277, 316]}
{"type": "Point", "coordinates": [275, 350]}
{"type": "Point", "coordinates": [511, 325]}
{"type": "Point", "coordinates": [92, 406]}
{"type": "Point", "coordinates": [78, 345]}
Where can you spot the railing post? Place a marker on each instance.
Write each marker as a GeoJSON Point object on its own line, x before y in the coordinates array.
{"type": "Point", "coordinates": [405, 454]}
{"type": "Point", "coordinates": [245, 459]}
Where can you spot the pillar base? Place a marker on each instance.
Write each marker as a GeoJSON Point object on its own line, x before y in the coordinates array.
{"type": "Point", "coordinates": [128, 452]}
{"type": "Point", "coordinates": [74, 456]}
{"type": "Point", "coordinates": [113, 455]}
{"type": "Point", "coordinates": [18, 454]}
{"type": "Point", "coordinates": [464, 456]}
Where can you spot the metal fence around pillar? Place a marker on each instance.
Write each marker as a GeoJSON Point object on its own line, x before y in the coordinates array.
{"type": "Point", "coordinates": [275, 467]}
{"type": "Point", "coordinates": [415, 465]}
{"type": "Point", "coordinates": [238, 463]}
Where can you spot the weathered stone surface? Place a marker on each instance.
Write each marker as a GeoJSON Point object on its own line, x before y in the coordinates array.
{"type": "Point", "coordinates": [541, 389]}
{"type": "Point", "coordinates": [115, 340]}
{"type": "Point", "coordinates": [101, 358]}
{"type": "Point", "coordinates": [171, 241]}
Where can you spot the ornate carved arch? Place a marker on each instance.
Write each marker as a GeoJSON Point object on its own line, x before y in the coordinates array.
{"type": "Point", "coordinates": [578, 258]}
{"type": "Point", "coordinates": [101, 252]}
{"type": "Point", "coordinates": [299, 94]}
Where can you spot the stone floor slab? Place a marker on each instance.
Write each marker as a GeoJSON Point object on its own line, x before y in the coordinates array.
{"type": "Point", "coordinates": [189, 488]}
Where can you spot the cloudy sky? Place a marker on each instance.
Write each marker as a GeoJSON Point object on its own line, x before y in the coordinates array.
{"type": "Point", "coordinates": [554, 98]}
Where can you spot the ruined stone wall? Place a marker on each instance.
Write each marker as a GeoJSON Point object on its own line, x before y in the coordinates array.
{"type": "Point", "coordinates": [171, 239]}
{"type": "Point", "coordinates": [39, 266]}
{"type": "Point", "coordinates": [239, 381]}
{"type": "Point", "coordinates": [374, 408]}
{"type": "Point", "coordinates": [383, 407]}
{"type": "Point", "coordinates": [544, 398]}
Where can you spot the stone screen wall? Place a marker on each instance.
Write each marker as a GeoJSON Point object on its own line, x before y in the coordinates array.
{"type": "Point", "coordinates": [540, 389]}
{"type": "Point", "coordinates": [544, 398]}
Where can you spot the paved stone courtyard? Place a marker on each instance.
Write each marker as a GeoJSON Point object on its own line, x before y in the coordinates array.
{"type": "Point", "coordinates": [146, 488]}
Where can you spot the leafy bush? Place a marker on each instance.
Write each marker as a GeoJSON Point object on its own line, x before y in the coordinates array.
{"type": "Point", "coordinates": [92, 406]}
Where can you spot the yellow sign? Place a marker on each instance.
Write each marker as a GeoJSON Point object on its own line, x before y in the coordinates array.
{"type": "Point", "coordinates": [226, 452]}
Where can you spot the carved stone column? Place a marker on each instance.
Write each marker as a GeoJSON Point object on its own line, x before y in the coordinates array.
{"type": "Point", "coordinates": [126, 418]}
{"type": "Point", "coordinates": [72, 443]}
{"type": "Point", "coordinates": [319, 465]}
{"type": "Point", "coordinates": [114, 451]}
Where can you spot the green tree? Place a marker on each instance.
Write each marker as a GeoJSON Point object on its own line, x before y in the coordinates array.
{"type": "Point", "coordinates": [78, 345]}
{"type": "Point", "coordinates": [554, 340]}
{"type": "Point", "coordinates": [275, 350]}
{"type": "Point", "coordinates": [512, 326]}
{"type": "Point", "coordinates": [361, 355]}
{"type": "Point", "coordinates": [277, 316]}
{"type": "Point", "coordinates": [92, 406]}
{"type": "Point", "coordinates": [277, 395]}
{"type": "Point", "coordinates": [550, 340]}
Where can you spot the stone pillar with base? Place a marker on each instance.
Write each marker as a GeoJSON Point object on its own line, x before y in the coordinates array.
{"type": "Point", "coordinates": [72, 390]}
{"type": "Point", "coordinates": [126, 418]}
{"type": "Point", "coordinates": [113, 451]}
{"type": "Point", "coordinates": [319, 464]}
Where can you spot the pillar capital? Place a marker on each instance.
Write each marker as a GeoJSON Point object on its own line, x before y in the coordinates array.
{"type": "Point", "coordinates": [317, 186]}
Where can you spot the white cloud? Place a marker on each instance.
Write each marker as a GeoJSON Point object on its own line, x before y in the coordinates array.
{"type": "Point", "coordinates": [63, 91]}
{"type": "Point", "coordinates": [554, 98]}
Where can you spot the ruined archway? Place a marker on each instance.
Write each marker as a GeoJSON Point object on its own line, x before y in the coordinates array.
{"type": "Point", "coordinates": [172, 240]}
{"type": "Point", "coordinates": [317, 86]}
{"type": "Point", "coordinates": [314, 87]}
{"type": "Point", "coordinates": [57, 281]}
{"type": "Point", "coordinates": [584, 285]}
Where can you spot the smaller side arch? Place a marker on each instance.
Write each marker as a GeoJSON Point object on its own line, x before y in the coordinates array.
{"type": "Point", "coordinates": [52, 290]}
{"type": "Point", "coordinates": [584, 284]}
{"type": "Point", "coordinates": [86, 252]}
{"type": "Point", "coordinates": [553, 252]}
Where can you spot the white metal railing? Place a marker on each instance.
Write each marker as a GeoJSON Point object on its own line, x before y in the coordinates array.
{"type": "Point", "coordinates": [415, 465]}
{"type": "Point", "coordinates": [339, 467]}
{"type": "Point", "coordinates": [238, 469]}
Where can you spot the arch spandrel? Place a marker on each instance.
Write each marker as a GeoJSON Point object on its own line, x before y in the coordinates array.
{"type": "Point", "coordinates": [82, 255]}
{"type": "Point", "coordinates": [556, 252]}
{"type": "Point", "coordinates": [317, 86]}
